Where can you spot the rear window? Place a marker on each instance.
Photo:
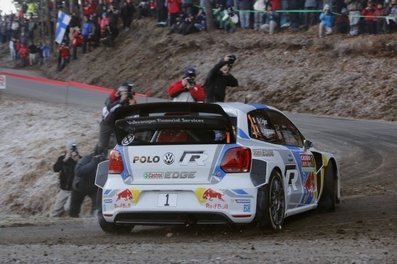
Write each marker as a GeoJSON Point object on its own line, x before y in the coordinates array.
{"type": "Point", "coordinates": [174, 128]}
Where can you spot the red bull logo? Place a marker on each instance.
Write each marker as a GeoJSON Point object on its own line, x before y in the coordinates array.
{"type": "Point", "coordinates": [126, 195]}
{"type": "Point", "coordinates": [309, 184]}
{"type": "Point", "coordinates": [210, 194]}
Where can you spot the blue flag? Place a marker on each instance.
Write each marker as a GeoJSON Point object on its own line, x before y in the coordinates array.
{"type": "Point", "coordinates": [62, 24]}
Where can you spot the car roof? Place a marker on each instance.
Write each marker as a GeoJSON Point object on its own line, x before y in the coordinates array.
{"type": "Point", "coordinates": [235, 107]}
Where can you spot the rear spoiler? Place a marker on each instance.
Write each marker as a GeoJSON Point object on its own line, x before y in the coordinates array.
{"type": "Point", "coordinates": [171, 108]}
{"type": "Point", "coordinates": [170, 116]}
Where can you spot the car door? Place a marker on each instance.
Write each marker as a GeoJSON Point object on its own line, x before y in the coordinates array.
{"type": "Point", "coordinates": [300, 171]}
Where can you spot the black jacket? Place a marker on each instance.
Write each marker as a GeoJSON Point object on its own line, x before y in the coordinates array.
{"type": "Point", "coordinates": [85, 172]}
{"type": "Point", "coordinates": [216, 82]}
{"type": "Point", "coordinates": [66, 172]}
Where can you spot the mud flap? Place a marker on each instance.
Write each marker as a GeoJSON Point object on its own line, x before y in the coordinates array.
{"type": "Point", "coordinates": [101, 174]}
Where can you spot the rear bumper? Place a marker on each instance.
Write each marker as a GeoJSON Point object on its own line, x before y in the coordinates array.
{"type": "Point", "coordinates": [196, 204]}
{"type": "Point", "coordinates": [171, 218]}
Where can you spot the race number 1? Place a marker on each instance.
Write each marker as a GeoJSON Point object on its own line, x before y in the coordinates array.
{"type": "Point", "coordinates": [167, 199]}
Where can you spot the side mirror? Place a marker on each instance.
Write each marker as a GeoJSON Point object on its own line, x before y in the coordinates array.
{"type": "Point", "coordinates": [307, 144]}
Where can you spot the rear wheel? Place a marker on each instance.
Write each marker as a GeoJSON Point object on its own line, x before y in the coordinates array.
{"type": "Point", "coordinates": [328, 197]}
{"type": "Point", "coordinates": [108, 227]}
{"type": "Point", "coordinates": [271, 203]}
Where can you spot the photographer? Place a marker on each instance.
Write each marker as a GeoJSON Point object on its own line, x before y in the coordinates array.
{"type": "Point", "coordinates": [218, 79]}
{"type": "Point", "coordinates": [83, 182]}
{"type": "Point", "coordinates": [65, 165]}
{"type": "Point", "coordinates": [186, 89]}
{"type": "Point", "coordinates": [123, 96]}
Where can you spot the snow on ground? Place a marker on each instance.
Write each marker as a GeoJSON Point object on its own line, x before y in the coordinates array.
{"type": "Point", "coordinates": [33, 135]}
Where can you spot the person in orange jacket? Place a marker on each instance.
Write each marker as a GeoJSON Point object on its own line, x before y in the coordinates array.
{"type": "Point", "coordinates": [187, 89]}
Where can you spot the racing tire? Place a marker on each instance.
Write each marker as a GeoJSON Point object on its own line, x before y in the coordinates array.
{"type": "Point", "coordinates": [107, 227]}
{"type": "Point", "coordinates": [270, 208]}
{"type": "Point", "coordinates": [328, 197]}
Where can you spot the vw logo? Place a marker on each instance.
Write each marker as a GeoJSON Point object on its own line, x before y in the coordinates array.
{"type": "Point", "coordinates": [169, 158]}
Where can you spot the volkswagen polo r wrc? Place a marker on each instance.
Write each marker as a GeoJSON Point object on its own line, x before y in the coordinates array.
{"type": "Point", "coordinates": [191, 163]}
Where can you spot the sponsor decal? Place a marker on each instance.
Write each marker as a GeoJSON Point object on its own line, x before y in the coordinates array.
{"type": "Point", "coordinates": [170, 175]}
{"type": "Point", "coordinates": [309, 179]}
{"type": "Point", "coordinates": [166, 120]}
{"type": "Point", "coordinates": [127, 196]}
{"type": "Point", "coordinates": [217, 206]}
{"type": "Point", "coordinates": [168, 158]}
{"type": "Point", "coordinates": [193, 156]}
{"type": "Point", "coordinates": [204, 195]}
{"type": "Point", "coordinates": [122, 205]}
{"type": "Point", "coordinates": [108, 200]}
{"type": "Point", "coordinates": [210, 194]}
{"type": "Point", "coordinates": [245, 204]}
{"type": "Point", "coordinates": [145, 159]}
{"type": "Point", "coordinates": [242, 200]}
{"type": "Point", "coordinates": [263, 153]}
{"type": "Point", "coordinates": [310, 182]}
{"type": "Point", "coordinates": [307, 160]}
{"type": "Point", "coordinates": [153, 175]}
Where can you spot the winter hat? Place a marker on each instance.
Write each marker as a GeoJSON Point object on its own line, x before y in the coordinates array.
{"type": "Point", "coordinates": [70, 144]}
{"type": "Point", "coordinates": [123, 87]}
{"type": "Point", "coordinates": [189, 72]}
{"type": "Point", "coordinates": [326, 7]}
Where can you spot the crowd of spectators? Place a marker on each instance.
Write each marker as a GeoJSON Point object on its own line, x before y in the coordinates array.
{"type": "Point", "coordinates": [102, 21]}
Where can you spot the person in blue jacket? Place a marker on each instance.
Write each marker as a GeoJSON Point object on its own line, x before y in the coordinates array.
{"type": "Point", "coordinates": [326, 22]}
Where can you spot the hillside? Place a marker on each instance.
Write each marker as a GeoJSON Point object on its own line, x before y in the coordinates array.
{"type": "Point", "coordinates": [337, 75]}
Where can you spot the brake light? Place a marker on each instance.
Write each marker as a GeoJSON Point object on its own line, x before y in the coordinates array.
{"type": "Point", "coordinates": [237, 160]}
{"type": "Point", "coordinates": [115, 162]}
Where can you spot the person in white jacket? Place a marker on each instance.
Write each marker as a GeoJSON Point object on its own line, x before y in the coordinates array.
{"type": "Point", "coordinates": [259, 7]}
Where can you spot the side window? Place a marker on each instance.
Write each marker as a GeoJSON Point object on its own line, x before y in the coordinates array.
{"type": "Point", "coordinates": [285, 129]}
{"type": "Point", "coordinates": [260, 127]}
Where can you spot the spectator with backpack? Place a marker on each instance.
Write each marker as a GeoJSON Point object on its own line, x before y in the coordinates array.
{"type": "Point", "coordinates": [84, 181]}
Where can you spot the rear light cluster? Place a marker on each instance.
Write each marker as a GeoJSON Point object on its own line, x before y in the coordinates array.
{"type": "Point", "coordinates": [115, 162]}
{"type": "Point", "coordinates": [237, 160]}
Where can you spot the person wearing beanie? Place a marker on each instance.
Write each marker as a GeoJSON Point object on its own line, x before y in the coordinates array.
{"type": "Point", "coordinates": [124, 95]}
{"type": "Point", "coordinates": [187, 89]}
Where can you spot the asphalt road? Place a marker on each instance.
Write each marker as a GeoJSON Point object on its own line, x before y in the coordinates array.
{"type": "Point", "coordinates": [362, 230]}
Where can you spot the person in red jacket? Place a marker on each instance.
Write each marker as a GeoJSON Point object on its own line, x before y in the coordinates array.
{"type": "Point", "coordinates": [369, 18]}
{"type": "Point", "coordinates": [23, 54]}
{"type": "Point", "coordinates": [63, 56]}
{"type": "Point", "coordinates": [77, 41]}
{"type": "Point", "coordinates": [174, 7]}
{"type": "Point", "coordinates": [186, 89]}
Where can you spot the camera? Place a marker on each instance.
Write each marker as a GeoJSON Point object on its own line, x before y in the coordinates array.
{"type": "Point", "coordinates": [232, 59]}
{"type": "Point", "coordinates": [191, 81]}
{"type": "Point", "coordinates": [130, 92]}
{"type": "Point", "coordinates": [73, 148]}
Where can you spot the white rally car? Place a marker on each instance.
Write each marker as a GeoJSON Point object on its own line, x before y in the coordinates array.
{"type": "Point", "coordinates": [190, 163]}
